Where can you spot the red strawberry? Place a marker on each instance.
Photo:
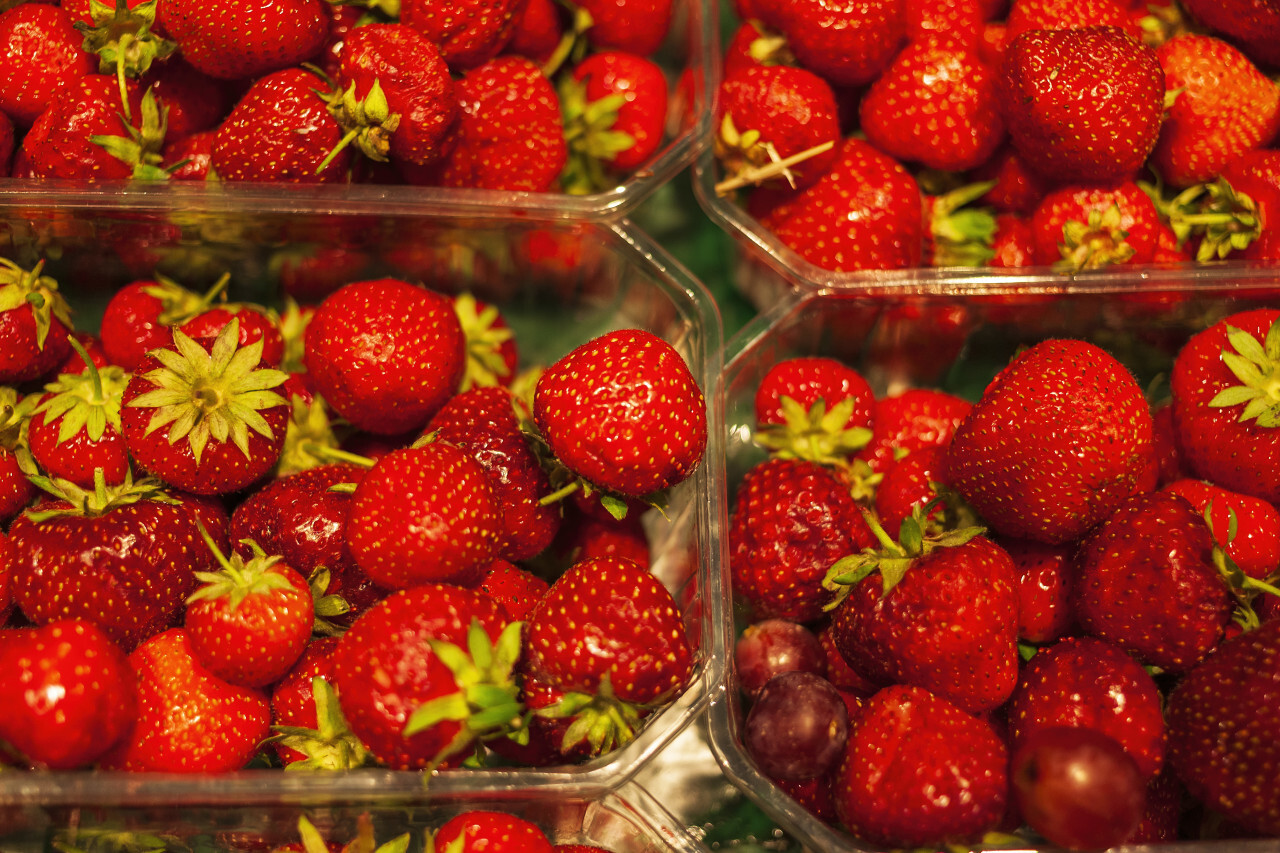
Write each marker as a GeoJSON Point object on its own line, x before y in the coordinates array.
{"type": "Point", "coordinates": [961, 20]}
{"type": "Point", "coordinates": [848, 44]}
{"type": "Point", "coordinates": [253, 42]}
{"type": "Point", "coordinates": [1247, 528]}
{"type": "Point", "coordinates": [424, 514]}
{"type": "Point", "coordinates": [16, 491]}
{"type": "Point", "coordinates": [624, 413]}
{"type": "Point", "coordinates": [71, 693]}
{"type": "Point", "coordinates": [306, 717]}
{"type": "Point", "coordinates": [1082, 105]}
{"type": "Point", "coordinates": [1223, 403]}
{"type": "Point", "coordinates": [515, 589]}
{"type": "Point", "coordinates": [193, 102]}
{"type": "Point", "coordinates": [206, 421]}
{"type": "Point", "coordinates": [1045, 578]}
{"type": "Point", "coordinates": [256, 323]}
{"type": "Point", "coordinates": [34, 323]}
{"type": "Point", "coordinates": [410, 650]}
{"type": "Point", "coordinates": [636, 26]}
{"type": "Point", "coordinates": [386, 355]}
{"type": "Point", "coordinates": [41, 52]}
{"type": "Point", "coordinates": [936, 105]}
{"type": "Point", "coordinates": [1087, 227]}
{"type": "Point", "coordinates": [1253, 24]}
{"type": "Point", "coordinates": [814, 408]}
{"type": "Point", "coordinates": [76, 432]}
{"type": "Point", "coordinates": [1013, 244]}
{"type": "Point", "coordinates": [920, 771]}
{"type": "Point", "coordinates": [492, 351]}
{"type": "Point", "coordinates": [1056, 443]}
{"type": "Point", "coordinates": [467, 34]}
{"type": "Point", "coordinates": [1219, 723]}
{"type": "Point", "coordinates": [6, 143]}
{"type": "Point", "coordinates": [189, 720]}
{"type": "Point", "coordinates": [1018, 188]}
{"type": "Point", "coordinates": [584, 534]}
{"type": "Point", "coordinates": [476, 830]}
{"type": "Point", "coordinates": [1067, 14]}
{"type": "Point", "coordinates": [280, 130]}
{"type": "Point", "coordinates": [1087, 682]}
{"type": "Point", "coordinates": [137, 317]}
{"type": "Point", "coordinates": [1146, 581]}
{"type": "Point", "coordinates": [912, 420]}
{"type": "Point", "coordinates": [6, 579]}
{"type": "Point", "coordinates": [910, 483]}
{"type": "Point", "coordinates": [615, 112]}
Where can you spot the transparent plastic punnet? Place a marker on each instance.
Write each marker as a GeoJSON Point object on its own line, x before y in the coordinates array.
{"type": "Point", "coordinates": [952, 333]}
{"type": "Point", "coordinates": [557, 284]}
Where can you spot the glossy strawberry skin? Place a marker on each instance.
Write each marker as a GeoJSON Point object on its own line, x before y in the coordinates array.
{"type": "Point", "coordinates": [255, 41]}
{"type": "Point", "coordinates": [493, 832]}
{"type": "Point", "coordinates": [189, 720]}
{"type": "Point", "coordinates": [848, 43]}
{"type": "Point", "coordinates": [809, 379]}
{"type": "Point", "coordinates": [467, 34]}
{"type": "Point", "coordinates": [912, 420]}
{"type": "Point", "coordinates": [255, 325]}
{"type": "Point", "coordinates": [643, 114]}
{"type": "Point", "coordinates": [1255, 544]}
{"type": "Point", "coordinates": [131, 324]}
{"type": "Point", "coordinates": [59, 144]}
{"type": "Point", "coordinates": [42, 51]}
{"type": "Point", "coordinates": [77, 458]}
{"type": "Point", "coordinates": [386, 355]}
{"type": "Point", "coordinates": [636, 26]}
{"type": "Point", "coordinates": [1045, 577]}
{"type": "Point", "coordinates": [73, 693]}
{"type": "Point", "coordinates": [515, 589]}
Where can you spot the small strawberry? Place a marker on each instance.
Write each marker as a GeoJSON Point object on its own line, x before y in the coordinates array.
{"type": "Point", "coordinates": [138, 315]}
{"type": "Point", "coordinates": [848, 44]}
{"type": "Point", "coordinates": [252, 43]}
{"type": "Point", "coordinates": [914, 419]}
{"type": "Point", "coordinates": [911, 483]}
{"type": "Point", "coordinates": [256, 323]}
{"type": "Point", "coordinates": [42, 52]}
{"type": "Point", "coordinates": [466, 34]}
{"type": "Point", "coordinates": [1056, 443]}
{"type": "Point", "coordinates": [516, 590]}
{"type": "Point", "coordinates": [310, 731]}
{"type": "Point", "coordinates": [1245, 527]}
{"type": "Point", "coordinates": [537, 31]}
{"type": "Point", "coordinates": [813, 408]}
{"type": "Point", "coordinates": [71, 693]}
{"type": "Point", "coordinates": [193, 102]}
{"type": "Point", "coordinates": [1045, 578]}
{"type": "Point", "coordinates": [35, 321]}
{"type": "Point", "coordinates": [1088, 227]}
{"type": "Point", "coordinates": [16, 491]}
{"type": "Point", "coordinates": [189, 720]}
{"type": "Point", "coordinates": [478, 831]}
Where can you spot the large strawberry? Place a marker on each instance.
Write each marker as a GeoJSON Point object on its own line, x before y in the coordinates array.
{"type": "Point", "coordinates": [467, 34]}
{"type": "Point", "coordinates": [248, 41]}
{"type": "Point", "coordinates": [624, 413]}
{"type": "Point", "coordinates": [386, 355]}
{"type": "Point", "coordinates": [34, 322]}
{"type": "Point", "coordinates": [205, 420]}
{"type": "Point", "coordinates": [42, 52]}
{"type": "Point", "coordinates": [1056, 443]}
{"type": "Point", "coordinates": [636, 26]}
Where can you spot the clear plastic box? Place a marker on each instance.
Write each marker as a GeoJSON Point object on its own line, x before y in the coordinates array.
{"type": "Point", "coordinates": [951, 332]}
{"type": "Point", "coordinates": [558, 283]}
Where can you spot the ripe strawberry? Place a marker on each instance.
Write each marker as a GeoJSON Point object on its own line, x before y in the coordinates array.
{"type": "Point", "coordinates": [1067, 14]}
{"type": "Point", "coordinates": [1082, 105]}
{"type": "Point", "coordinates": [936, 105]}
{"type": "Point", "coordinates": [412, 649]}
{"type": "Point", "coordinates": [961, 20]}
{"type": "Point", "coordinates": [193, 102]}
{"type": "Point", "coordinates": [1088, 682]}
{"type": "Point", "coordinates": [1146, 581]}
{"type": "Point", "coordinates": [770, 113]}
{"type": "Point", "coordinates": [848, 44]}
{"type": "Point", "coordinates": [386, 355]}
{"type": "Point", "coordinates": [189, 720]}
{"type": "Point", "coordinates": [1017, 189]}
{"type": "Point", "coordinates": [71, 693]}
{"type": "Point", "coordinates": [920, 771]}
{"type": "Point", "coordinates": [624, 413]}
{"type": "Point", "coordinates": [310, 731]}
{"type": "Point", "coordinates": [1224, 106]}
{"type": "Point", "coordinates": [863, 213]}
{"type": "Point", "coordinates": [1056, 443]}
{"type": "Point", "coordinates": [1223, 403]}
{"type": "Point", "coordinates": [911, 420]}
{"type": "Point", "coordinates": [137, 317]}
{"type": "Point", "coordinates": [42, 52]}
{"type": "Point", "coordinates": [468, 34]}
{"type": "Point", "coordinates": [1218, 729]}
{"type": "Point", "coordinates": [584, 534]}
{"type": "Point", "coordinates": [515, 589]}
{"type": "Point", "coordinates": [75, 432]}
{"type": "Point", "coordinates": [909, 484]}
{"type": "Point", "coordinates": [510, 135]}
{"type": "Point", "coordinates": [6, 143]}
{"type": "Point", "coordinates": [398, 97]}
{"type": "Point", "coordinates": [251, 42]}
{"type": "Point", "coordinates": [34, 323]}
{"type": "Point", "coordinates": [61, 569]}
{"type": "Point", "coordinates": [16, 491]}
{"type": "Point", "coordinates": [280, 130]}
{"type": "Point", "coordinates": [608, 634]}
{"type": "Point", "coordinates": [1247, 528]}
{"type": "Point", "coordinates": [1253, 25]}
{"type": "Point", "coordinates": [615, 113]}
{"type": "Point", "coordinates": [492, 351]}
{"type": "Point", "coordinates": [1045, 578]}
{"type": "Point", "coordinates": [476, 830]}
{"type": "Point", "coordinates": [256, 323]}
{"type": "Point", "coordinates": [1013, 244]}
{"type": "Point", "coordinates": [205, 421]}
{"type": "Point", "coordinates": [813, 408]}
{"type": "Point", "coordinates": [6, 579]}
{"type": "Point", "coordinates": [636, 26]}
{"type": "Point", "coordinates": [1087, 227]}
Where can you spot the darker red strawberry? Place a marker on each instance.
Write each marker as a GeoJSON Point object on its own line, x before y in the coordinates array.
{"type": "Point", "coordinates": [1045, 578]}
{"type": "Point", "coordinates": [480, 831]}
{"type": "Point", "coordinates": [909, 484]}
{"type": "Point", "coordinates": [42, 52]}
{"type": "Point", "coordinates": [1245, 527]}
{"type": "Point", "coordinates": [306, 718]}
{"type": "Point", "coordinates": [615, 114]}
{"type": "Point", "coordinates": [34, 323]}
{"type": "Point", "coordinates": [467, 34]}
{"type": "Point", "coordinates": [193, 102]}
{"type": "Point", "coordinates": [138, 315]}
{"type": "Point", "coordinates": [251, 42]}
{"type": "Point", "coordinates": [912, 420]}
{"type": "Point", "coordinates": [256, 323]}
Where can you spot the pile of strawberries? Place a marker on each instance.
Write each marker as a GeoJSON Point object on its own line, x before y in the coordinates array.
{"type": "Point", "coordinates": [1055, 606]}
{"type": "Point", "coordinates": [1004, 133]}
{"type": "Point", "coordinates": [533, 95]}
{"type": "Point", "coordinates": [361, 532]}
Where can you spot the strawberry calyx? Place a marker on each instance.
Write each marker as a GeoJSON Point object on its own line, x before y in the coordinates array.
{"type": "Point", "coordinates": [20, 287]}
{"type": "Point", "coordinates": [591, 137]}
{"type": "Point", "coordinates": [364, 842]}
{"type": "Point", "coordinates": [211, 394]}
{"type": "Point", "coordinates": [123, 39]}
{"type": "Point", "coordinates": [142, 148]}
{"type": "Point", "coordinates": [815, 434]}
{"type": "Point", "coordinates": [1226, 220]}
{"type": "Point", "coordinates": [95, 839]}
{"type": "Point", "coordinates": [79, 501]}
{"type": "Point", "coordinates": [178, 304]}
{"type": "Point", "coordinates": [487, 702]}
{"type": "Point", "coordinates": [601, 719]}
{"type": "Point", "coordinates": [88, 400]}
{"type": "Point", "coordinates": [15, 411]}
{"type": "Point", "coordinates": [1244, 588]}
{"type": "Point", "coordinates": [327, 605]}
{"type": "Point", "coordinates": [331, 745]}
{"type": "Point", "coordinates": [485, 337]}
{"type": "Point", "coordinates": [962, 235]}
{"type": "Point", "coordinates": [1257, 365]}
{"type": "Point", "coordinates": [238, 578]}
{"type": "Point", "coordinates": [293, 322]}
{"type": "Point", "coordinates": [1097, 242]}
{"type": "Point", "coordinates": [309, 439]}
{"type": "Point", "coordinates": [367, 123]}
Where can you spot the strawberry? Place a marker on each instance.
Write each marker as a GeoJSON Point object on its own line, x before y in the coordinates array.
{"type": "Point", "coordinates": [1146, 580]}
{"type": "Point", "coordinates": [1088, 227]}
{"type": "Point", "coordinates": [16, 491]}
{"type": "Point", "coordinates": [483, 422]}
{"type": "Point", "coordinates": [608, 634]}
{"type": "Point", "coordinates": [537, 31]}
{"type": "Point", "coordinates": [936, 105]}
{"type": "Point", "coordinates": [401, 669]}
{"type": "Point", "coordinates": [516, 590]}
{"type": "Point", "coordinates": [1017, 188]}
{"type": "Point", "coordinates": [256, 323]}
{"type": "Point", "coordinates": [920, 771]}
{"type": "Point", "coordinates": [1067, 14]}
{"type": "Point", "coordinates": [848, 44]}
{"type": "Point", "coordinates": [310, 731]}
{"type": "Point", "coordinates": [193, 102]}
{"type": "Point", "coordinates": [908, 484]}
{"type": "Point", "coordinates": [1085, 681]}
{"type": "Point", "coordinates": [624, 413]}
{"type": "Point", "coordinates": [1045, 577]}
{"type": "Point", "coordinates": [1056, 443]}
{"type": "Point", "coordinates": [189, 720]}
{"type": "Point", "coordinates": [477, 830]}
{"type": "Point", "coordinates": [1084, 104]}
{"type": "Point", "coordinates": [1223, 403]}
{"type": "Point", "coordinates": [1253, 25]}
{"type": "Point", "coordinates": [404, 529]}
{"type": "Point", "coordinates": [492, 351]}
{"type": "Point", "coordinates": [961, 20]}
{"type": "Point", "coordinates": [636, 26]}
{"type": "Point", "coordinates": [1224, 106]}
{"type": "Point", "coordinates": [138, 315]}
{"type": "Point", "coordinates": [61, 569]}
{"type": "Point", "coordinates": [584, 534]}
{"type": "Point", "coordinates": [249, 42]}
{"type": "Point", "coordinates": [467, 34]}
{"type": "Point", "coordinates": [1245, 527]}
{"type": "Point", "coordinates": [205, 421]}
{"type": "Point", "coordinates": [813, 408]}
{"type": "Point", "coordinates": [386, 355]}
{"type": "Point", "coordinates": [280, 130]}
{"type": "Point", "coordinates": [914, 419]}
{"type": "Point", "coordinates": [75, 432]}
{"type": "Point", "coordinates": [6, 143]}
{"type": "Point", "coordinates": [42, 52]}
{"type": "Point", "coordinates": [398, 98]}
{"type": "Point", "coordinates": [72, 693]}
{"type": "Point", "coordinates": [791, 520]}
{"type": "Point", "coordinates": [509, 132]}
{"type": "Point", "coordinates": [863, 213]}
{"type": "Point", "coordinates": [1218, 723]}
{"type": "Point", "coordinates": [34, 323]}
{"type": "Point", "coordinates": [772, 113]}
{"type": "Point", "coordinates": [6, 579]}
{"type": "Point", "coordinates": [1013, 244]}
